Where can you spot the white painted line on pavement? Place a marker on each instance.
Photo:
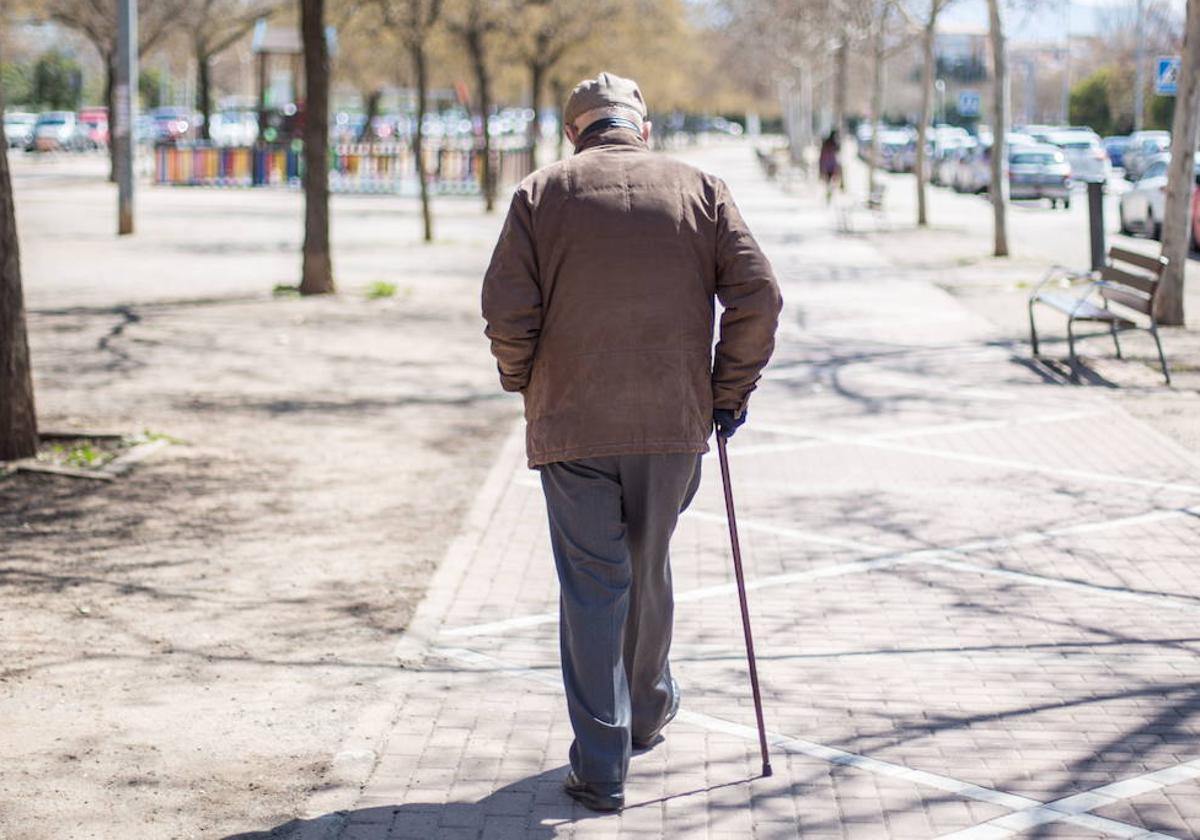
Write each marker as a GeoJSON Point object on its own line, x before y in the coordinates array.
{"type": "Point", "coordinates": [970, 458]}
{"type": "Point", "coordinates": [1027, 812]}
{"type": "Point", "coordinates": [1030, 537]}
{"type": "Point", "coordinates": [1075, 808]}
{"type": "Point", "coordinates": [928, 429]}
{"type": "Point", "coordinates": [784, 531]}
{"type": "Point", "coordinates": [834, 570]}
{"type": "Point", "coordinates": [951, 557]}
{"type": "Point", "coordinates": [1167, 601]}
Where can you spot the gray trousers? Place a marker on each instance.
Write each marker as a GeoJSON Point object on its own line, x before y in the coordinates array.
{"type": "Point", "coordinates": [611, 521]}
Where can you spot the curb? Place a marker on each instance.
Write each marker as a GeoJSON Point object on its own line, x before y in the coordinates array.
{"type": "Point", "coordinates": [351, 766]}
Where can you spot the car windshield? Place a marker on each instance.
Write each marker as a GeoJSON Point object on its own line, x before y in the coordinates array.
{"type": "Point", "coordinates": [1036, 159]}
{"type": "Point", "coordinates": [1077, 146]}
{"type": "Point", "coordinates": [53, 120]}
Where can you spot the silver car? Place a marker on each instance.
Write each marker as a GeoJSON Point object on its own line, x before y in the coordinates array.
{"type": "Point", "coordinates": [1085, 154]}
{"type": "Point", "coordinates": [1144, 147]}
{"type": "Point", "coordinates": [1040, 171]}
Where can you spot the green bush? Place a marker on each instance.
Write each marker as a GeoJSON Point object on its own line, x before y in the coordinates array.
{"type": "Point", "coordinates": [1089, 102]}
{"type": "Point", "coordinates": [17, 82]}
{"type": "Point", "coordinates": [57, 82]}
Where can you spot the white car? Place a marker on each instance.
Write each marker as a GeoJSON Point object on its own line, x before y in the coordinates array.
{"type": "Point", "coordinates": [1087, 157]}
{"type": "Point", "coordinates": [18, 128]}
{"type": "Point", "coordinates": [1143, 207]}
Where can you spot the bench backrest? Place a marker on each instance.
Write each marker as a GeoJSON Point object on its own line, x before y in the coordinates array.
{"type": "Point", "coordinates": [1131, 279]}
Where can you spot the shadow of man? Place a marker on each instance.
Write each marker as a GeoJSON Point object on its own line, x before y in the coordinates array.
{"type": "Point", "coordinates": [536, 806]}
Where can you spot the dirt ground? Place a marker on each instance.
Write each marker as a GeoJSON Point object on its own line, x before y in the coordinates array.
{"type": "Point", "coordinates": [183, 649]}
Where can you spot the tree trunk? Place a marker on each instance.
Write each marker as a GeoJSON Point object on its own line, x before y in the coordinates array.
{"type": "Point", "coordinates": [110, 86]}
{"type": "Point", "coordinates": [483, 80]}
{"type": "Point", "coordinates": [1168, 301]}
{"type": "Point", "coordinates": [927, 71]}
{"type": "Point", "coordinates": [841, 81]}
{"type": "Point", "coordinates": [317, 274]}
{"type": "Point", "coordinates": [422, 73]}
{"type": "Point", "coordinates": [537, 77]}
{"type": "Point", "coordinates": [204, 93]}
{"type": "Point", "coordinates": [560, 100]}
{"type": "Point", "coordinates": [18, 420]}
{"type": "Point", "coordinates": [877, 59]}
{"type": "Point", "coordinates": [999, 191]}
{"type": "Point", "coordinates": [368, 130]}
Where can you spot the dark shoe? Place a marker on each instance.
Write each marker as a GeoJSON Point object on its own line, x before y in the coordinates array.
{"type": "Point", "coordinates": [651, 739]}
{"type": "Point", "coordinates": [593, 795]}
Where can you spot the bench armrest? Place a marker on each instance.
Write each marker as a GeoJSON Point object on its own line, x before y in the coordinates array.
{"type": "Point", "coordinates": [1061, 272]}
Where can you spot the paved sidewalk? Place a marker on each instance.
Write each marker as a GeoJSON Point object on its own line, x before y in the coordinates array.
{"type": "Point", "coordinates": [975, 596]}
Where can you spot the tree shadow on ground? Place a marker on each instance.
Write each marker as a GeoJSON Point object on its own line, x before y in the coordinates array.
{"type": "Point", "coordinates": [533, 808]}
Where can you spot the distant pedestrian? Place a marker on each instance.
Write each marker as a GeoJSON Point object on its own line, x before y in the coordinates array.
{"type": "Point", "coordinates": [599, 303]}
{"type": "Point", "coordinates": [829, 164]}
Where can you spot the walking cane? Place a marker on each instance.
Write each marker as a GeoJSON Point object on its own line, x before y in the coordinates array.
{"type": "Point", "coordinates": [741, 583]}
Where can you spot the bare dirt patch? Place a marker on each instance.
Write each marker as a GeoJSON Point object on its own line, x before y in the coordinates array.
{"type": "Point", "coordinates": [182, 649]}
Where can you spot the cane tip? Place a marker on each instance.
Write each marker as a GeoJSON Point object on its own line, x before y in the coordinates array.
{"type": "Point", "coordinates": [766, 769]}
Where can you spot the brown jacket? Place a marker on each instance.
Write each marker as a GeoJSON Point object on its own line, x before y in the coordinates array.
{"type": "Point", "coordinates": [599, 303]}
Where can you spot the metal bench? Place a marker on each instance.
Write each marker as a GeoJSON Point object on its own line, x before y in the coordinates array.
{"type": "Point", "coordinates": [873, 204]}
{"type": "Point", "coordinates": [1128, 281]}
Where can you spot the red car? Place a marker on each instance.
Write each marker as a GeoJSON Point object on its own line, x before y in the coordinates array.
{"type": "Point", "coordinates": [1196, 215]}
{"type": "Point", "coordinates": [93, 124]}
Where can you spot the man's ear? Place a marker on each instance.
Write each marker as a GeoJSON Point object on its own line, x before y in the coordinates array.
{"type": "Point", "coordinates": [646, 126]}
{"type": "Point", "coordinates": [571, 132]}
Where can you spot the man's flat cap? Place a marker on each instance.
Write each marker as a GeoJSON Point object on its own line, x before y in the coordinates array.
{"type": "Point", "coordinates": [605, 91]}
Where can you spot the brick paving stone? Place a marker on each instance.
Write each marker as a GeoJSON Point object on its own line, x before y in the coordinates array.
{"type": "Point", "coordinates": [1012, 630]}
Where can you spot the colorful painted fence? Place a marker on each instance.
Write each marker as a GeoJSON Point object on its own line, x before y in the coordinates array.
{"type": "Point", "coordinates": [354, 168]}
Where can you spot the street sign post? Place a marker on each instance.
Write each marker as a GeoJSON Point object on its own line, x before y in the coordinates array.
{"type": "Point", "coordinates": [1166, 75]}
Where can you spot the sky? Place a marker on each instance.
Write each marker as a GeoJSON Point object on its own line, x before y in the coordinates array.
{"type": "Point", "coordinates": [1048, 21]}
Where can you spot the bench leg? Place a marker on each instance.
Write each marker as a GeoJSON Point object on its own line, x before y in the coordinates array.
{"type": "Point", "coordinates": [1032, 331]}
{"type": "Point", "coordinates": [1112, 326]}
{"type": "Point", "coordinates": [1071, 350]}
{"type": "Point", "coordinates": [1161, 357]}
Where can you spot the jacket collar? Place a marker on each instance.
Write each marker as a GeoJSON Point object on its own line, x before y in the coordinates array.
{"type": "Point", "coordinates": [612, 137]}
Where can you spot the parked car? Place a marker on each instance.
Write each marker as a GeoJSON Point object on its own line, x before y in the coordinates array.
{"type": "Point", "coordinates": [93, 124]}
{"type": "Point", "coordinates": [238, 128]}
{"type": "Point", "coordinates": [1196, 214]}
{"type": "Point", "coordinates": [56, 131]}
{"type": "Point", "coordinates": [892, 144]}
{"type": "Point", "coordinates": [173, 124]}
{"type": "Point", "coordinates": [1085, 154]}
{"type": "Point", "coordinates": [1142, 208]}
{"type": "Point", "coordinates": [1115, 147]}
{"type": "Point", "coordinates": [1143, 147]}
{"type": "Point", "coordinates": [974, 172]}
{"type": "Point", "coordinates": [1039, 171]}
{"type": "Point", "coordinates": [18, 128]}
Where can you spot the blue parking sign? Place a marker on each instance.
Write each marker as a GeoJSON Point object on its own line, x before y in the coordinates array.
{"type": "Point", "coordinates": [1166, 76]}
{"type": "Point", "coordinates": [968, 103]}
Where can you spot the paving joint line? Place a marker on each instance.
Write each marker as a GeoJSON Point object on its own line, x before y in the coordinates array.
{"type": "Point", "coordinates": [1025, 811]}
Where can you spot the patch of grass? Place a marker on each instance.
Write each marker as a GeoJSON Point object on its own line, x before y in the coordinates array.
{"type": "Point", "coordinates": [285, 290]}
{"type": "Point", "coordinates": [381, 289]}
{"type": "Point", "coordinates": [148, 436]}
{"type": "Point", "coordinates": [81, 456]}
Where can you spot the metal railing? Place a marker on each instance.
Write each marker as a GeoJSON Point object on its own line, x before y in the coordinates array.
{"type": "Point", "coordinates": [353, 168]}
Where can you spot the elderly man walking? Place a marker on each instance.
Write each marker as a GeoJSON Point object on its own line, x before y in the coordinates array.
{"type": "Point", "coordinates": [599, 303]}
